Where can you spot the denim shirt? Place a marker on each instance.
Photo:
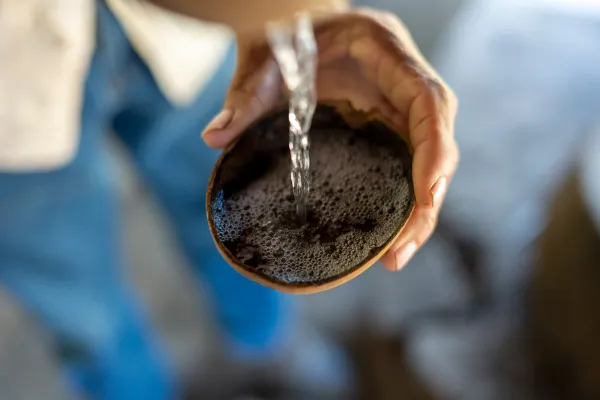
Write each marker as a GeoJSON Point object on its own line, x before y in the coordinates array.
{"type": "Point", "coordinates": [45, 50]}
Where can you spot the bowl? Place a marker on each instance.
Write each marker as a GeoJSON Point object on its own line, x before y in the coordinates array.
{"type": "Point", "coordinates": [360, 199]}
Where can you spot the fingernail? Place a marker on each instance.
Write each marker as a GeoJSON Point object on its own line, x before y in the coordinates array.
{"type": "Point", "coordinates": [438, 189]}
{"type": "Point", "coordinates": [220, 121]}
{"type": "Point", "coordinates": [404, 254]}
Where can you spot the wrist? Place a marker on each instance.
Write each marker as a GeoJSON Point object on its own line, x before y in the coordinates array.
{"type": "Point", "coordinates": [255, 32]}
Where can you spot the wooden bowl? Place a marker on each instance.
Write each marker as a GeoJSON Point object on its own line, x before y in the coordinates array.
{"type": "Point", "coordinates": [361, 197]}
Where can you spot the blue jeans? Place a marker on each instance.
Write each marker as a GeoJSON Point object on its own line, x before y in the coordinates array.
{"type": "Point", "coordinates": [60, 247]}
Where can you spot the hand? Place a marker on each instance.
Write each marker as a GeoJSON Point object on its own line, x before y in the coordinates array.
{"type": "Point", "coordinates": [372, 51]}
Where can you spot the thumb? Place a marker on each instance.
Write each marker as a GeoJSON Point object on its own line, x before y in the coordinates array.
{"type": "Point", "coordinates": [253, 93]}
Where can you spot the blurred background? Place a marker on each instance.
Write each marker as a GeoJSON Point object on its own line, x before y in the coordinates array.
{"type": "Point", "coordinates": [459, 321]}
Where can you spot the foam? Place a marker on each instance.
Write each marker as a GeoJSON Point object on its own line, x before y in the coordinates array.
{"type": "Point", "coordinates": [361, 194]}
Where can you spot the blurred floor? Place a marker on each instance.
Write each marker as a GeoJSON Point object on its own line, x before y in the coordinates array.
{"type": "Point", "coordinates": [385, 371]}
{"type": "Point", "coordinates": [565, 296]}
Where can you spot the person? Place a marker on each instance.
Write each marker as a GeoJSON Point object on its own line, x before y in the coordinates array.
{"type": "Point", "coordinates": [65, 86]}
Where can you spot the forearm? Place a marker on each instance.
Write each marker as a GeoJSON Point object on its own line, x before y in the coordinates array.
{"type": "Point", "coordinates": [245, 15]}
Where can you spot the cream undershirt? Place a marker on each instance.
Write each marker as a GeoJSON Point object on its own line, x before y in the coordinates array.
{"type": "Point", "coordinates": [45, 51]}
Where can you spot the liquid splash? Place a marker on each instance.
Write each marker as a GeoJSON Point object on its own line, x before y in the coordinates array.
{"type": "Point", "coordinates": [296, 53]}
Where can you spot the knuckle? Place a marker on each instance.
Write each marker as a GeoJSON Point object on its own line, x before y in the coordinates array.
{"type": "Point", "coordinates": [452, 97]}
{"type": "Point", "coordinates": [453, 157]}
{"type": "Point", "coordinates": [429, 224]}
{"type": "Point", "coordinates": [435, 86]}
{"type": "Point", "coordinates": [452, 100]}
{"type": "Point", "coordinates": [453, 160]}
{"type": "Point", "coordinates": [438, 89]}
{"type": "Point", "coordinates": [243, 83]}
{"type": "Point", "coordinates": [441, 94]}
{"type": "Point", "coordinates": [239, 96]}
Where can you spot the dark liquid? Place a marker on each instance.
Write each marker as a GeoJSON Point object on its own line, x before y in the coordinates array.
{"type": "Point", "coordinates": [361, 194]}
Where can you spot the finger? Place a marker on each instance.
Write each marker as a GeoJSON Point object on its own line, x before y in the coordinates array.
{"type": "Point", "coordinates": [435, 160]}
{"type": "Point", "coordinates": [430, 109]}
{"type": "Point", "coordinates": [435, 155]}
{"type": "Point", "coordinates": [254, 91]}
{"type": "Point", "coordinates": [392, 61]}
{"type": "Point", "coordinates": [417, 231]}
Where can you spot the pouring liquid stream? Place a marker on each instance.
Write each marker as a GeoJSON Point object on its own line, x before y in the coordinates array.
{"type": "Point", "coordinates": [295, 51]}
